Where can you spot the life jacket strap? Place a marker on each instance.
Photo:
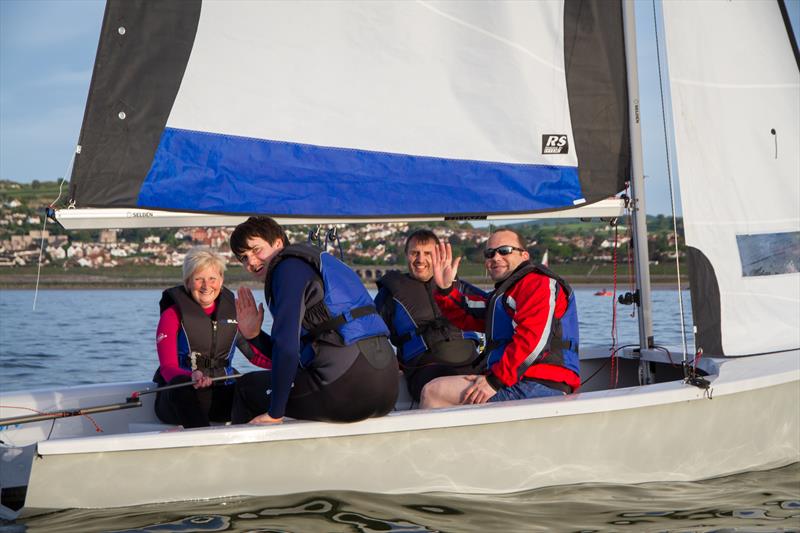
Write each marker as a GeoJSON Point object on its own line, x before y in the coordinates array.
{"type": "Point", "coordinates": [333, 324]}
{"type": "Point", "coordinates": [487, 349]}
{"type": "Point", "coordinates": [210, 363]}
{"type": "Point", "coordinates": [439, 323]}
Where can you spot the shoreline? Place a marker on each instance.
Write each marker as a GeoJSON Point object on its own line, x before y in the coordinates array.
{"type": "Point", "coordinates": [27, 282]}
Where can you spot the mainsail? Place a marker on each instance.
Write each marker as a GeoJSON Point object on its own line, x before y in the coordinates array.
{"type": "Point", "coordinates": [735, 88]}
{"type": "Point", "coordinates": [383, 110]}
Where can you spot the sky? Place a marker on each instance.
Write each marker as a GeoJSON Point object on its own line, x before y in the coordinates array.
{"type": "Point", "coordinates": [47, 50]}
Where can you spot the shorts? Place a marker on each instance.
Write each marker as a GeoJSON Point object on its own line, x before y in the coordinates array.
{"type": "Point", "coordinates": [525, 389]}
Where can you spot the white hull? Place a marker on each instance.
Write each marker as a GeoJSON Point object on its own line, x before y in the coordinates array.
{"type": "Point", "coordinates": [663, 432]}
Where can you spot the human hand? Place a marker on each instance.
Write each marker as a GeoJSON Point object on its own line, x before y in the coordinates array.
{"type": "Point", "coordinates": [444, 267]}
{"type": "Point", "coordinates": [262, 420]}
{"type": "Point", "coordinates": [201, 381]}
{"type": "Point", "coordinates": [248, 316]}
{"type": "Point", "coordinates": [479, 392]}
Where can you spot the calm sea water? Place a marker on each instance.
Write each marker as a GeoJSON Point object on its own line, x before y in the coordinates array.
{"type": "Point", "coordinates": [89, 336]}
{"type": "Point", "coordinates": [79, 337]}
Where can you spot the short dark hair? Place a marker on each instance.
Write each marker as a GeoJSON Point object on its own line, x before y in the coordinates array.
{"type": "Point", "coordinates": [421, 236]}
{"type": "Point", "coordinates": [263, 227]}
{"type": "Point", "coordinates": [516, 235]}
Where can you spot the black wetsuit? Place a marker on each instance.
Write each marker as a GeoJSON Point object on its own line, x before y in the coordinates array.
{"type": "Point", "coordinates": [340, 383]}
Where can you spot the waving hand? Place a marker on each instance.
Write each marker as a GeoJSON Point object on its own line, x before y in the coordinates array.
{"type": "Point", "coordinates": [444, 267]}
{"type": "Point", "coordinates": [248, 315]}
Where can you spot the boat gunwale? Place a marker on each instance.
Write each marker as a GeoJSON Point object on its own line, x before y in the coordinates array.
{"type": "Point", "coordinates": [736, 375]}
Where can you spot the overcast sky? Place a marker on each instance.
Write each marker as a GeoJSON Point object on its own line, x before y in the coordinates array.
{"type": "Point", "coordinates": [47, 50]}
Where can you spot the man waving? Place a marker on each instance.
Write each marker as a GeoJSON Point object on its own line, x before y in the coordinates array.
{"type": "Point", "coordinates": [531, 325]}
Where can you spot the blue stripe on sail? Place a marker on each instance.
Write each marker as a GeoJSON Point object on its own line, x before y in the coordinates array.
{"type": "Point", "coordinates": [205, 172]}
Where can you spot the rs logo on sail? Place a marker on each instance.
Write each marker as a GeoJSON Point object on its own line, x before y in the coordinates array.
{"type": "Point", "coordinates": [555, 144]}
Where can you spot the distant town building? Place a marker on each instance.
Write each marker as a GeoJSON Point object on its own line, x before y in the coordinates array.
{"type": "Point", "coordinates": [108, 236]}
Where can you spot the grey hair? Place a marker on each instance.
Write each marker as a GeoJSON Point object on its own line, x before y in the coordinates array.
{"type": "Point", "coordinates": [199, 258]}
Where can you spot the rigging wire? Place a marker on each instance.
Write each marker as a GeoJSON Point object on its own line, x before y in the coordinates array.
{"type": "Point", "coordinates": [44, 225]}
{"type": "Point", "coordinates": [671, 186]}
{"type": "Point", "coordinates": [614, 364]}
{"type": "Point", "coordinates": [629, 247]}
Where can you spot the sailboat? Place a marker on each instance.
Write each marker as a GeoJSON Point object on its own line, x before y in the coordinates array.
{"type": "Point", "coordinates": [202, 113]}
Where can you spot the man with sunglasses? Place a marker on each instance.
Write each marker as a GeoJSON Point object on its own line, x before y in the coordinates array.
{"type": "Point", "coordinates": [531, 326]}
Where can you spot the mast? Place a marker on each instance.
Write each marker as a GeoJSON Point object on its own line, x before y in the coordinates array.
{"type": "Point", "coordinates": [641, 260]}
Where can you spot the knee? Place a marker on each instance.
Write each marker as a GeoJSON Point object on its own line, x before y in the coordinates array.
{"type": "Point", "coordinates": [431, 394]}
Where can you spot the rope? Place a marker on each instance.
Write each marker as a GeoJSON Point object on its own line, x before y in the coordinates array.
{"type": "Point", "coordinates": [671, 187]}
{"type": "Point", "coordinates": [44, 225]}
{"type": "Point", "coordinates": [587, 380]}
{"type": "Point", "coordinates": [97, 427]}
{"type": "Point", "coordinates": [332, 239]}
{"type": "Point", "coordinates": [614, 365]}
{"type": "Point", "coordinates": [314, 237]}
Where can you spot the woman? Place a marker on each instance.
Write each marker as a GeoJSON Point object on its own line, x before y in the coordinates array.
{"type": "Point", "coordinates": [196, 338]}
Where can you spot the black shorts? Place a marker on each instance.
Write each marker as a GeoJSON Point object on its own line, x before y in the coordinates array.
{"type": "Point", "coordinates": [367, 389]}
{"type": "Point", "coordinates": [451, 358]}
{"type": "Point", "coordinates": [192, 408]}
{"type": "Point", "coordinates": [419, 377]}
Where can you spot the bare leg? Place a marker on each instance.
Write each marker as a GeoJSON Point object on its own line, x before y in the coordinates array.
{"type": "Point", "coordinates": [445, 391]}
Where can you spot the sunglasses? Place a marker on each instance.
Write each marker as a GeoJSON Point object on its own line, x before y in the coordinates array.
{"type": "Point", "coordinates": [502, 250]}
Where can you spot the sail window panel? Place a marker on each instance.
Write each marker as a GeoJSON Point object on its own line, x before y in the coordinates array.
{"type": "Point", "coordinates": [769, 254]}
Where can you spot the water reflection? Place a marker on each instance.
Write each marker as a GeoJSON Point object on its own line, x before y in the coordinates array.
{"type": "Point", "coordinates": [191, 524]}
{"type": "Point", "coordinates": [324, 510]}
{"type": "Point", "coordinates": [755, 501]}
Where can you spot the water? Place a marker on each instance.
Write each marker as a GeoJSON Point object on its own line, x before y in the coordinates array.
{"type": "Point", "coordinates": [752, 502]}
{"type": "Point", "coordinates": [78, 337]}
{"type": "Point", "coordinates": [82, 337]}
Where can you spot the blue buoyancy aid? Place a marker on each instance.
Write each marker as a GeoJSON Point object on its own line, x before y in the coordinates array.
{"type": "Point", "coordinates": [560, 345]}
{"type": "Point", "coordinates": [205, 343]}
{"type": "Point", "coordinates": [418, 325]}
{"type": "Point", "coordinates": [347, 303]}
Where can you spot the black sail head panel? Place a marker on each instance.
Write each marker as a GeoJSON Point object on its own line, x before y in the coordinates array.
{"type": "Point", "coordinates": [594, 55]}
{"type": "Point", "coordinates": [141, 57]}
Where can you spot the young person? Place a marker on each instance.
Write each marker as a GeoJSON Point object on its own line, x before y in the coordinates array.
{"type": "Point", "coordinates": [331, 357]}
